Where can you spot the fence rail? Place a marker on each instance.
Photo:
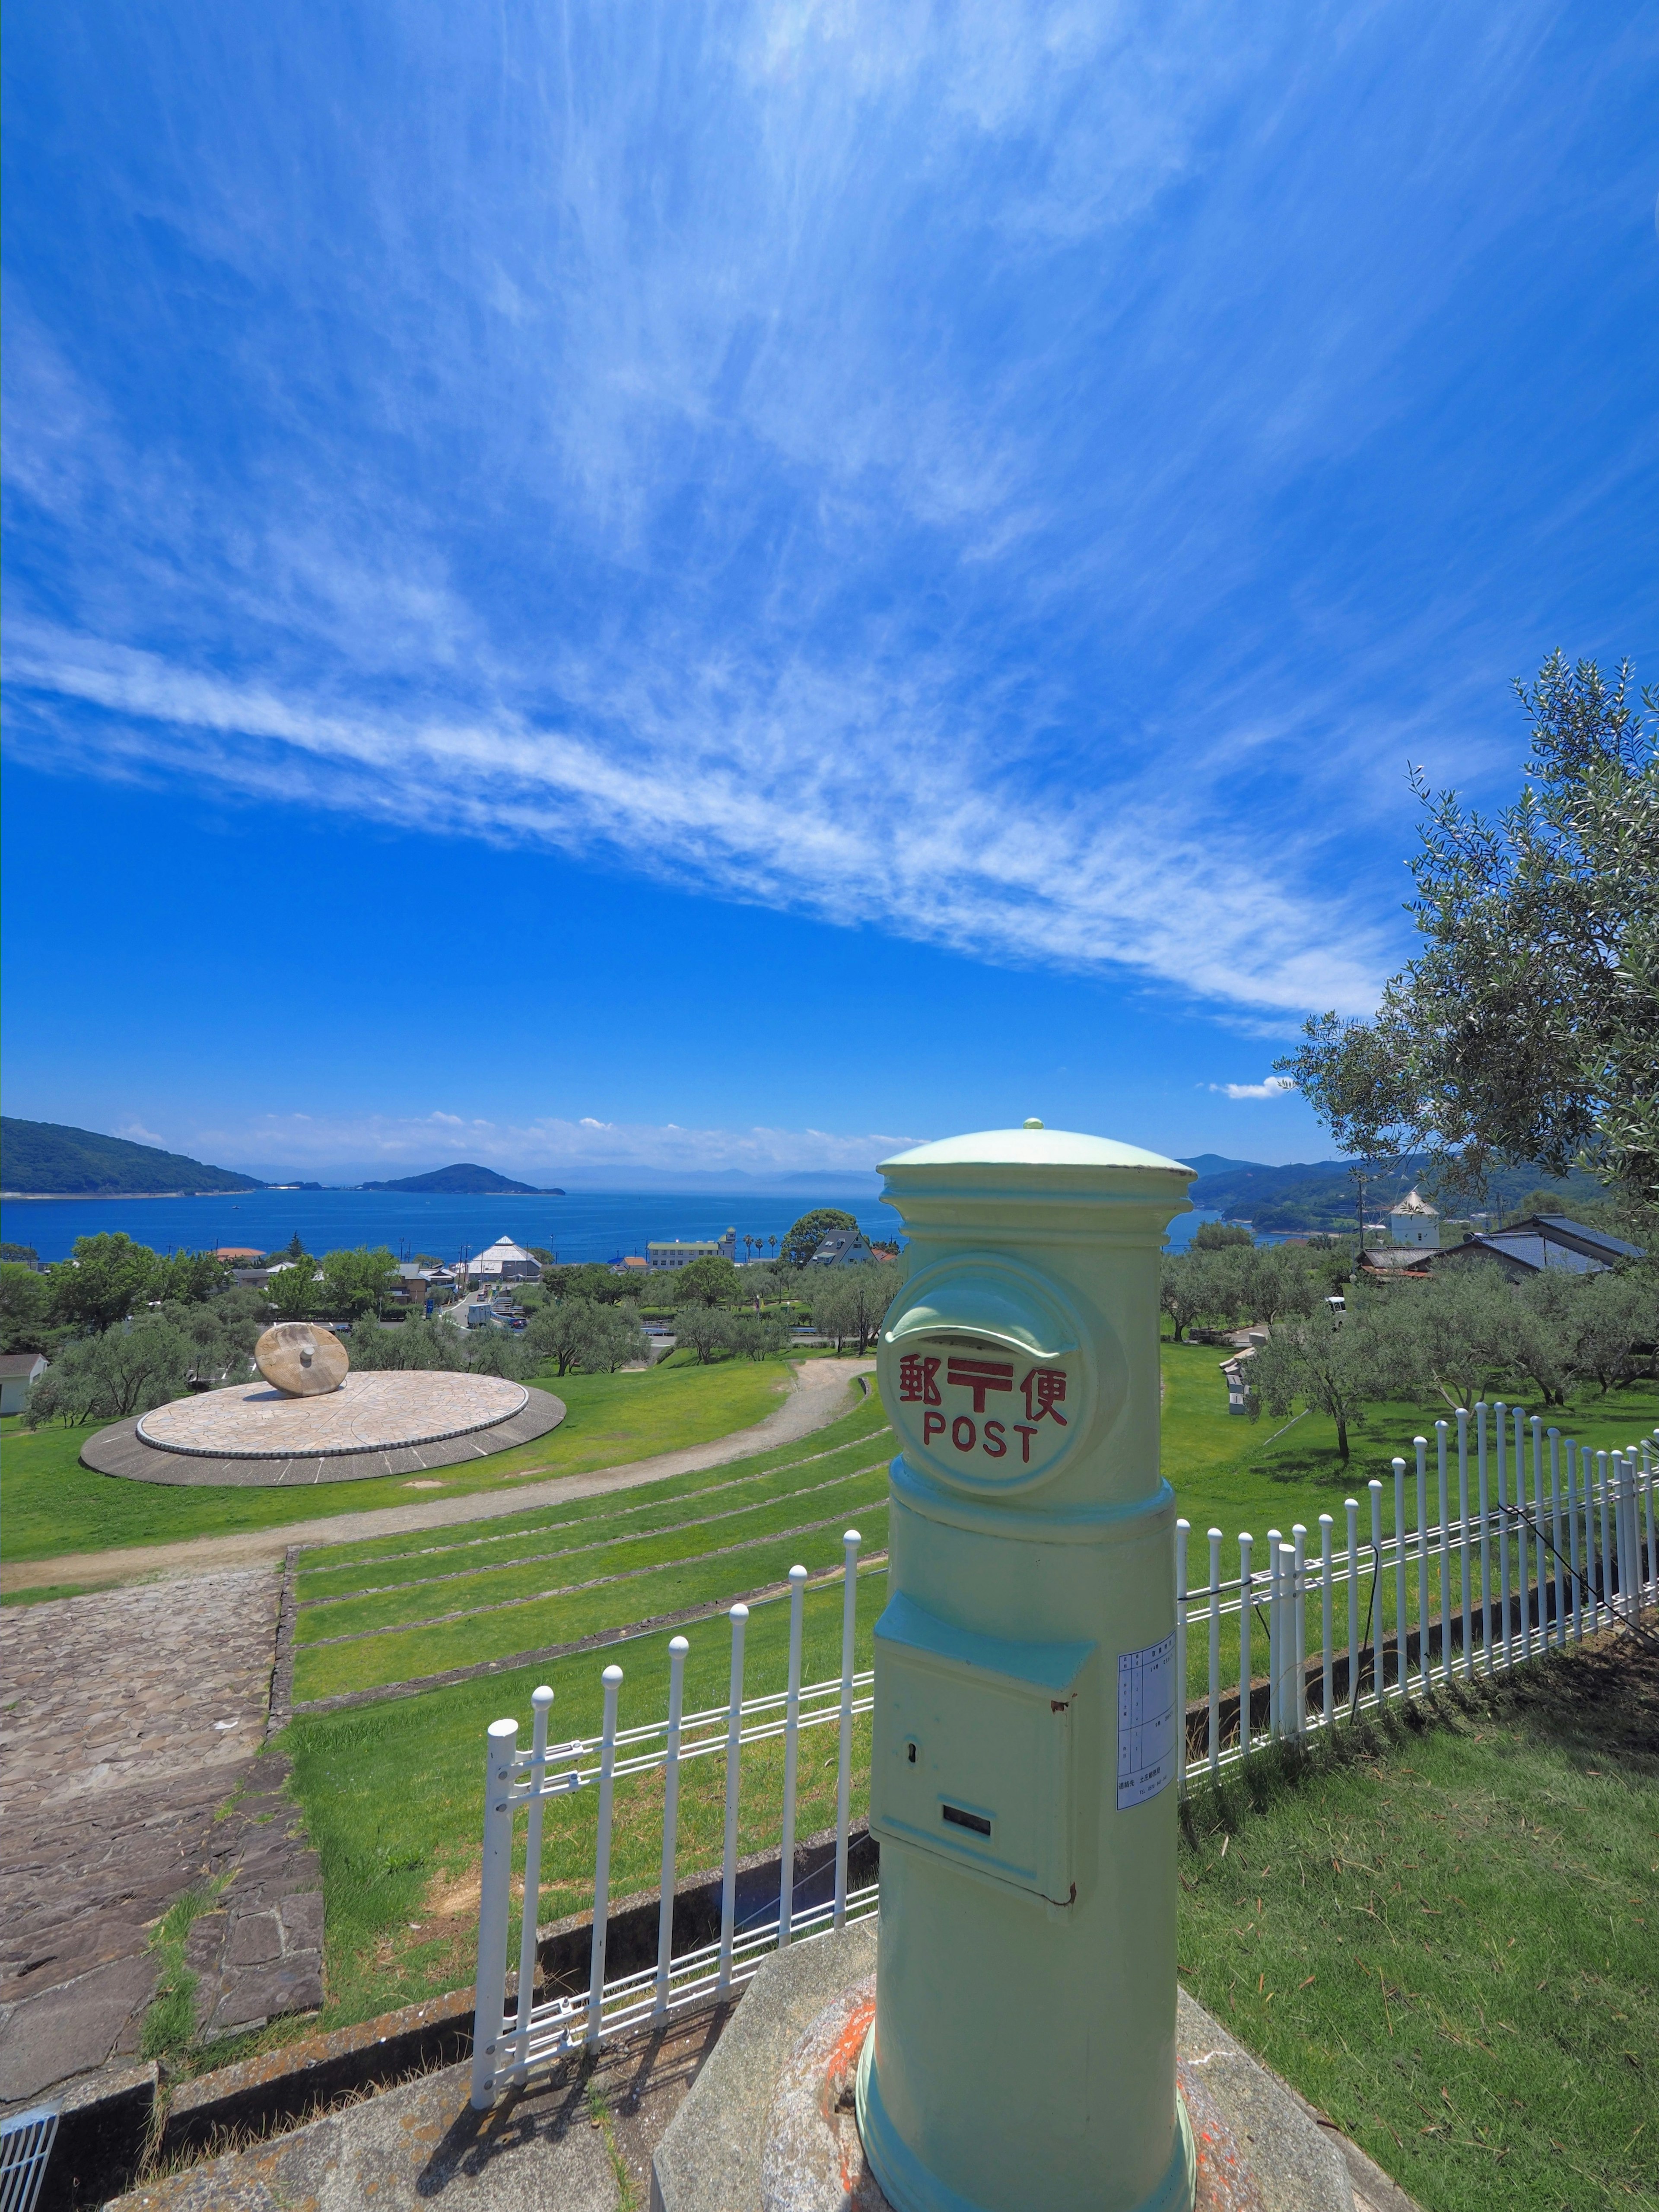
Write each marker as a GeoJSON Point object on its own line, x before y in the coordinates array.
{"type": "Point", "coordinates": [1518, 1561]}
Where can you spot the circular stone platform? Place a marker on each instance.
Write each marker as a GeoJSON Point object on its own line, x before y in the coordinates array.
{"type": "Point", "coordinates": [397, 1421]}
{"type": "Point", "coordinates": [378, 1411]}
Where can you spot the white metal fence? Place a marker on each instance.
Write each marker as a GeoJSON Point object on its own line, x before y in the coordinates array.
{"type": "Point", "coordinates": [507, 2047]}
{"type": "Point", "coordinates": [1537, 1540]}
{"type": "Point", "coordinates": [1517, 1561]}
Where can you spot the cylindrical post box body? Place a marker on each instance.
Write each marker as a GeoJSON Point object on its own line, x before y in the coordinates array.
{"type": "Point", "coordinates": [1027, 1709]}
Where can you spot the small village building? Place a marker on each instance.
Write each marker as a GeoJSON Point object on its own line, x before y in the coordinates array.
{"type": "Point", "coordinates": [842, 1248]}
{"type": "Point", "coordinates": [1526, 1248]}
{"type": "Point", "coordinates": [1414, 1221]}
{"type": "Point", "coordinates": [670, 1254]}
{"type": "Point", "coordinates": [631, 1264]}
{"type": "Point", "coordinates": [504, 1262]}
{"type": "Point", "coordinates": [1396, 1263]}
{"type": "Point", "coordinates": [18, 1371]}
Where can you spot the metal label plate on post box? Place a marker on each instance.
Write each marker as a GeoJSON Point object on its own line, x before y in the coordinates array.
{"type": "Point", "coordinates": [975, 1748]}
{"type": "Point", "coordinates": [986, 1373]}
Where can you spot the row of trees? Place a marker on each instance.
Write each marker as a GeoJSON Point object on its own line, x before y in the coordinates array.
{"type": "Point", "coordinates": [109, 1277]}
{"type": "Point", "coordinates": [1468, 1333]}
{"type": "Point", "coordinates": [1226, 1279]}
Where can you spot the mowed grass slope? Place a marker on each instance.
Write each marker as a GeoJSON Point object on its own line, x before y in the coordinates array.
{"type": "Point", "coordinates": [54, 1505]}
{"type": "Point", "coordinates": [598, 1564]}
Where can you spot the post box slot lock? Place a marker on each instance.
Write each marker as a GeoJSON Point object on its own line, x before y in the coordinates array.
{"type": "Point", "coordinates": [910, 1751]}
{"type": "Point", "coordinates": [959, 1819]}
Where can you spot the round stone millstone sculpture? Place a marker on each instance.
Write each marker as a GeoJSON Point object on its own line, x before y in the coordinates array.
{"type": "Point", "coordinates": [302, 1359]}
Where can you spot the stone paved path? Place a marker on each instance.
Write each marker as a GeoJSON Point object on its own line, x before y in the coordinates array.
{"type": "Point", "coordinates": [126, 1720]}
{"type": "Point", "coordinates": [820, 1396]}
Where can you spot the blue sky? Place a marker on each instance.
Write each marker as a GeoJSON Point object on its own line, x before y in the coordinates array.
{"type": "Point", "coordinates": [725, 587]}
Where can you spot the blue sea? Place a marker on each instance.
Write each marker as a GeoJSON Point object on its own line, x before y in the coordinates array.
{"type": "Point", "coordinates": [587, 1224]}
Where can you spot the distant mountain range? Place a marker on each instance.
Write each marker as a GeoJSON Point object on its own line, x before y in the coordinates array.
{"type": "Point", "coordinates": [467, 1176]}
{"type": "Point", "coordinates": [46, 1159]}
{"type": "Point", "coordinates": [1316, 1195]}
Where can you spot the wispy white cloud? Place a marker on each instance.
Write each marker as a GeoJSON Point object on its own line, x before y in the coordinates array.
{"type": "Point", "coordinates": [825, 794]}
{"type": "Point", "coordinates": [789, 453]}
{"type": "Point", "coordinates": [1272, 1086]}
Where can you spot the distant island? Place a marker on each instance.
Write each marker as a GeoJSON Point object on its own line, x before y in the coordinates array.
{"type": "Point", "coordinates": [47, 1159]}
{"type": "Point", "coordinates": [466, 1177]}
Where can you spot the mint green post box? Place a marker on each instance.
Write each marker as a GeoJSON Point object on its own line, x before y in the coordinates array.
{"type": "Point", "coordinates": [1023, 1770]}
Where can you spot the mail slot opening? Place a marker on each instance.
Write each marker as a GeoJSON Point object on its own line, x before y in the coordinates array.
{"type": "Point", "coordinates": [959, 1819]}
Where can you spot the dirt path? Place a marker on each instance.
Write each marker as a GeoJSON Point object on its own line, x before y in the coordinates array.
{"type": "Point", "coordinates": [820, 1396]}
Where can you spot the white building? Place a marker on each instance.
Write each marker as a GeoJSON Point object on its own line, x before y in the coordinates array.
{"type": "Point", "coordinates": [504, 1262]}
{"type": "Point", "coordinates": [18, 1370]}
{"type": "Point", "coordinates": [842, 1248]}
{"type": "Point", "coordinates": [681, 1252]}
{"type": "Point", "coordinates": [1415, 1222]}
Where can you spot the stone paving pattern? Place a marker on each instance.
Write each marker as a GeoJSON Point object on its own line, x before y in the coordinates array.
{"type": "Point", "coordinates": [376, 1412]}
{"type": "Point", "coordinates": [121, 1450]}
{"type": "Point", "coordinates": [259, 1955]}
{"type": "Point", "coordinates": [129, 1718]}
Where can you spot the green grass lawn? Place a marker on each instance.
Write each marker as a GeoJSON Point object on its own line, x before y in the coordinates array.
{"type": "Point", "coordinates": [1447, 1934]}
{"type": "Point", "coordinates": [52, 1504]}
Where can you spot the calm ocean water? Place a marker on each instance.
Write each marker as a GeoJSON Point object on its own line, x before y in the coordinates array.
{"type": "Point", "coordinates": [588, 1224]}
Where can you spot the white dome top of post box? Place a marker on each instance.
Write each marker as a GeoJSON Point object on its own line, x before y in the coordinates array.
{"type": "Point", "coordinates": [1033, 1147]}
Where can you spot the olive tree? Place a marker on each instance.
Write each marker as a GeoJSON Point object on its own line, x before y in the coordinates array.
{"type": "Point", "coordinates": [1336, 1366]}
{"type": "Point", "coordinates": [1527, 1029]}
{"type": "Point", "coordinates": [109, 1377]}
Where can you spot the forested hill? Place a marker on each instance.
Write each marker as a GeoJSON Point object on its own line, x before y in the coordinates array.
{"type": "Point", "coordinates": [40, 1159]}
{"type": "Point", "coordinates": [468, 1177]}
{"type": "Point", "coordinates": [1319, 1195]}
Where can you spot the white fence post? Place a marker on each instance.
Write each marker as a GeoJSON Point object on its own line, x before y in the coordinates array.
{"type": "Point", "coordinates": [1300, 1689]}
{"type": "Point", "coordinates": [1290, 1666]}
{"type": "Point", "coordinates": [1379, 1595]}
{"type": "Point", "coordinates": [677, 1647]}
{"type": "Point", "coordinates": [612, 1679]}
{"type": "Point", "coordinates": [739, 1616]}
{"type": "Point", "coordinates": [1518, 1512]}
{"type": "Point", "coordinates": [1574, 1513]}
{"type": "Point", "coordinates": [1606, 1536]}
{"type": "Point", "coordinates": [1327, 1672]}
{"type": "Point", "coordinates": [1421, 1446]}
{"type": "Point", "coordinates": [1215, 1650]}
{"type": "Point", "coordinates": [541, 1702]}
{"type": "Point", "coordinates": [1440, 1438]}
{"type": "Point", "coordinates": [489, 2005]}
{"type": "Point", "coordinates": [1502, 1411]}
{"type": "Point", "coordinates": [1183, 1530]}
{"type": "Point", "coordinates": [1538, 1547]}
{"type": "Point", "coordinates": [1246, 1601]}
{"type": "Point", "coordinates": [1352, 1505]}
{"type": "Point", "coordinates": [850, 1601]}
{"type": "Point", "coordinates": [1463, 1538]}
{"type": "Point", "coordinates": [1401, 1581]}
{"type": "Point", "coordinates": [1275, 1638]}
{"type": "Point", "coordinates": [791, 1758]}
{"type": "Point", "coordinates": [1555, 1538]}
{"type": "Point", "coordinates": [1480, 1412]}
